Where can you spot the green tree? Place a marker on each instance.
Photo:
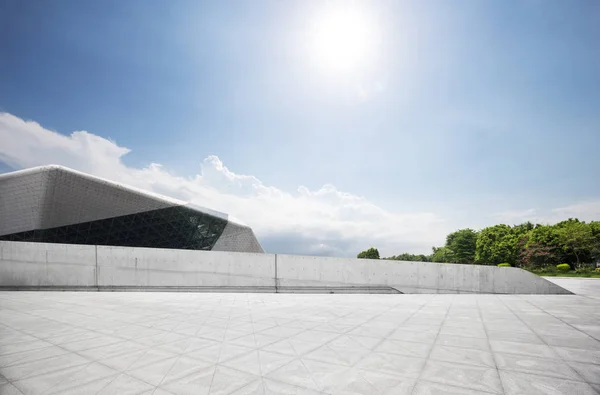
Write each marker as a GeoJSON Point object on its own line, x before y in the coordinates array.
{"type": "Point", "coordinates": [535, 255]}
{"type": "Point", "coordinates": [595, 252]}
{"type": "Point", "coordinates": [409, 257]}
{"type": "Point", "coordinates": [541, 247]}
{"type": "Point", "coordinates": [576, 237]}
{"type": "Point", "coordinates": [523, 228]}
{"type": "Point", "coordinates": [371, 253]}
{"type": "Point", "coordinates": [462, 243]}
{"type": "Point", "coordinates": [442, 255]}
{"type": "Point", "coordinates": [497, 244]}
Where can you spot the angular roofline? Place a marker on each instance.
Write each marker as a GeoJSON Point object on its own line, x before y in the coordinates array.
{"type": "Point", "coordinates": [49, 168]}
{"type": "Point", "coordinates": [31, 170]}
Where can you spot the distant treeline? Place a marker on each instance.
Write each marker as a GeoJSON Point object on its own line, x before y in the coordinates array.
{"type": "Point", "coordinates": [526, 245]}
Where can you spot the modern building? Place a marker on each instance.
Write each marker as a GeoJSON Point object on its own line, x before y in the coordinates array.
{"type": "Point", "coordinates": [55, 204]}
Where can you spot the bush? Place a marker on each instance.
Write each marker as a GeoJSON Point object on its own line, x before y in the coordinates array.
{"type": "Point", "coordinates": [563, 267]}
{"type": "Point", "coordinates": [371, 253]}
{"type": "Point", "coordinates": [504, 265]}
{"type": "Point", "coordinates": [597, 270]}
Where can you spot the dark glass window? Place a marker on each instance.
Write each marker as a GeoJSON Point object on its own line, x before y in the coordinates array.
{"type": "Point", "coordinates": [174, 227]}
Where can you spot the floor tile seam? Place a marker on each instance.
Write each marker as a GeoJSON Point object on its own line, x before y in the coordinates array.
{"type": "Point", "coordinates": [252, 382]}
{"type": "Point", "coordinates": [373, 385]}
{"type": "Point", "coordinates": [389, 373]}
{"type": "Point", "coordinates": [326, 343]}
{"type": "Point", "coordinates": [12, 343]}
{"type": "Point", "coordinates": [87, 361]}
{"type": "Point", "coordinates": [71, 325]}
{"type": "Point", "coordinates": [16, 330]}
{"type": "Point", "coordinates": [125, 373]}
{"type": "Point", "coordinates": [146, 351]}
{"type": "Point", "coordinates": [91, 348]}
{"type": "Point", "coordinates": [545, 343]}
{"type": "Point", "coordinates": [433, 343]}
{"type": "Point", "coordinates": [465, 348]}
{"type": "Point", "coordinates": [591, 385]}
{"type": "Point", "coordinates": [15, 387]}
{"type": "Point", "coordinates": [275, 326]}
{"type": "Point", "coordinates": [116, 376]}
{"type": "Point", "coordinates": [405, 320]}
{"type": "Point", "coordinates": [170, 369]}
{"type": "Point", "coordinates": [50, 319]}
{"type": "Point", "coordinates": [66, 353]}
{"type": "Point", "coordinates": [558, 318]}
{"type": "Point", "coordinates": [186, 353]}
{"type": "Point", "coordinates": [311, 374]}
{"type": "Point", "coordinates": [458, 335]}
{"type": "Point", "coordinates": [468, 388]}
{"type": "Point", "coordinates": [126, 370]}
{"type": "Point", "coordinates": [218, 358]}
{"type": "Point", "coordinates": [66, 378]}
{"type": "Point", "coordinates": [90, 382]}
{"type": "Point", "coordinates": [176, 333]}
{"type": "Point", "coordinates": [7, 380]}
{"type": "Point", "coordinates": [596, 363]}
{"type": "Point", "coordinates": [485, 329]}
{"type": "Point", "coordinates": [465, 364]}
{"type": "Point", "coordinates": [326, 362]}
{"type": "Point", "coordinates": [34, 360]}
{"type": "Point", "coordinates": [489, 351]}
{"type": "Point", "coordinates": [293, 385]}
{"type": "Point", "coordinates": [215, 366]}
{"type": "Point", "coordinates": [530, 333]}
{"type": "Point", "coordinates": [544, 375]}
{"type": "Point", "coordinates": [454, 386]}
{"type": "Point", "coordinates": [544, 357]}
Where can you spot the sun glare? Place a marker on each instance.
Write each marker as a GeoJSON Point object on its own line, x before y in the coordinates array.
{"type": "Point", "coordinates": [343, 39]}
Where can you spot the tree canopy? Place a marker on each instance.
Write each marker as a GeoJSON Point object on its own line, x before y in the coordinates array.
{"type": "Point", "coordinates": [462, 243]}
{"type": "Point", "coordinates": [371, 253]}
{"type": "Point", "coordinates": [525, 245]}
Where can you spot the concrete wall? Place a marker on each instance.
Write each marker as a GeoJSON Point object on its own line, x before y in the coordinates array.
{"type": "Point", "coordinates": [26, 265]}
{"type": "Point", "coordinates": [42, 265]}
{"type": "Point", "coordinates": [149, 267]}
{"type": "Point", "coordinates": [295, 271]}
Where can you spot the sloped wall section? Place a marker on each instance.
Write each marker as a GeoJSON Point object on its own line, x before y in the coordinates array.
{"type": "Point", "coordinates": [25, 265]}
{"type": "Point", "coordinates": [295, 272]}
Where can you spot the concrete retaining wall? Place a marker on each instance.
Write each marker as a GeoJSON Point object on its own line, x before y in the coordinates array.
{"type": "Point", "coordinates": [41, 264]}
{"type": "Point", "coordinates": [409, 277]}
{"type": "Point", "coordinates": [149, 267]}
{"type": "Point", "coordinates": [66, 266]}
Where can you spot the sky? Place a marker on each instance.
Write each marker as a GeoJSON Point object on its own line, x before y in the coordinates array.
{"type": "Point", "coordinates": [328, 127]}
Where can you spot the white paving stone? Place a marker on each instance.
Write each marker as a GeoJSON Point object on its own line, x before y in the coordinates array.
{"type": "Point", "coordinates": [203, 343]}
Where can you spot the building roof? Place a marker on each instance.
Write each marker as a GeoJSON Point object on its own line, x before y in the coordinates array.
{"type": "Point", "coordinates": [50, 200]}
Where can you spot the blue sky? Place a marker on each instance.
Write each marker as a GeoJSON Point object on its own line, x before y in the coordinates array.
{"type": "Point", "coordinates": [469, 112]}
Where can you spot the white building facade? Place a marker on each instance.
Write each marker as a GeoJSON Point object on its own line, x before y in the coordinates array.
{"type": "Point", "coordinates": [55, 204]}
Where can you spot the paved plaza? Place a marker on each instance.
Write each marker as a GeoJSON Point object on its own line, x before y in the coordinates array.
{"type": "Point", "coordinates": [201, 343]}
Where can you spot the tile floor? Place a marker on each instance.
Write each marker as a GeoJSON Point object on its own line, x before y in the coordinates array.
{"type": "Point", "coordinates": [193, 343]}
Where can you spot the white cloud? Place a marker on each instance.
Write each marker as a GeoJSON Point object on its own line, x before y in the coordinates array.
{"type": "Point", "coordinates": [585, 211]}
{"type": "Point", "coordinates": [325, 221]}
{"type": "Point", "coordinates": [517, 216]}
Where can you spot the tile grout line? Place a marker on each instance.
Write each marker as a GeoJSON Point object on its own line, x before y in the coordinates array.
{"type": "Point", "coordinates": [432, 346]}
{"type": "Point", "coordinates": [561, 320]}
{"type": "Point", "coordinates": [490, 346]}
{"type": "Point", "coordinates": [545, 343]}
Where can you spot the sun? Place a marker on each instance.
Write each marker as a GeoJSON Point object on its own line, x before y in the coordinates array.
{"type": "Point", "coordinates": [343, 39]}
